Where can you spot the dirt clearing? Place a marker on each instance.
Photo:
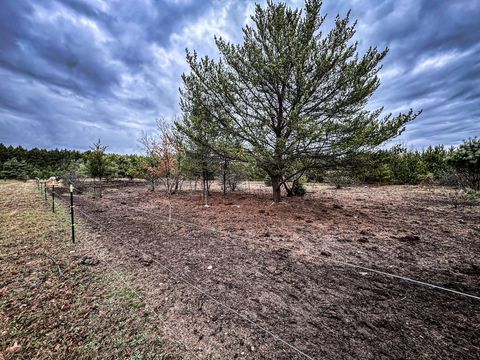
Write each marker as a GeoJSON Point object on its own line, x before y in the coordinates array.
{"type": "Point", "coordinates": [240, 275]}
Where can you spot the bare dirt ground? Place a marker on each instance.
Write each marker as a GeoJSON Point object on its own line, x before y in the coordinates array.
{"type": "Point", "coordinates": [59, 302]}
{"type": "Point", "coordinates": [243, 277]}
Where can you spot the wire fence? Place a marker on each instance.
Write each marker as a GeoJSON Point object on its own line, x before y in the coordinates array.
{"type": "Point", "coordinates": [184, 279]}
{"type": "Point", "coordinates": [176, 337]}
{"type": "Point", "coordinates": [356, 266]}
{"type": "Point", "coordinates": [248, 187]}
{"type": "Point", "coordinates": [127, 284]}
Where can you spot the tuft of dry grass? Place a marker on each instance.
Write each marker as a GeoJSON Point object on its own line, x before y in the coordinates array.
{"type": "Point", "coordinates": [52, 306]}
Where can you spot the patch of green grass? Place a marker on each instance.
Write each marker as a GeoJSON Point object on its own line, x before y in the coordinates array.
{"type": "Point", "coordinates": [15, 331]}
{"type": "Point", "coordinates": [138, 340]}
{"type": "Point", "coordinates": [90, 342]}
{"type": "Point", "coordinates": [130, 294]}
{"type": "Point", "coordinates": [137, 304]}
{"type": "Point", "coordinates": [136, 356]}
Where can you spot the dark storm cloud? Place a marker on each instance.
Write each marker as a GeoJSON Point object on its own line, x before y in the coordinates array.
{"type": "Point", "coordinates": [75, 70]}
{"type": "Point", "coordinates": [433, 64]}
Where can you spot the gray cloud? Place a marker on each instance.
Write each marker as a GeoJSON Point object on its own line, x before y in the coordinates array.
{"type": "Point", "coordinates": [75, 70]}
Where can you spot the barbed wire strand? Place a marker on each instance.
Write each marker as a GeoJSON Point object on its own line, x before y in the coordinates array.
{"type": "Point", "coordinates": [186, 281]}
{"type": "Point", "coordinates": [241, 287]}
{"type": "Point", "coordinates": [183, 279]}
{"type": "Point", "coordinates": [176, 337]}
{"type": "Point", "coordinates": [380, 272]}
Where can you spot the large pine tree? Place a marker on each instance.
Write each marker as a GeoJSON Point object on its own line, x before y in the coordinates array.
{"type": "Point", "coordinates": [292, 96]}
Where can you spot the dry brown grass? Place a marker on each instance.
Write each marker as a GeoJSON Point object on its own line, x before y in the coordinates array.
{"type": "Point", "coordinates": [54, 307]}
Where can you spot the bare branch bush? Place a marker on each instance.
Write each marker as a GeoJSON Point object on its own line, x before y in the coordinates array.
{"type": "Point", "coordinates": [163, 158]}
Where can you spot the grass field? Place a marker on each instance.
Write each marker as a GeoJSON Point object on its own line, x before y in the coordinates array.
{"type": "Point", "coordinates": [55, 306]}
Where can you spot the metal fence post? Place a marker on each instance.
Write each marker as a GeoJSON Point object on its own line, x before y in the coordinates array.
{"type": "Point", "coordinates": [71, 213]}
{"type": "Point", "coordinates": [53, 198]}
{"type": "Point", "coordinates": [45, 190]}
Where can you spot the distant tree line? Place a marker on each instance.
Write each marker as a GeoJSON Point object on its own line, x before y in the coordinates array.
{"type": "Point", "coordinates": [22, 164]}
{"type": "Point", "coordinates": [454, 166]}
{"type": "Point", "coordinates": [172, 164]}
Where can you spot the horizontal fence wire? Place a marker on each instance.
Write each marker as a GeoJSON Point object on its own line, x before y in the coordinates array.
{"type": "Point", "coordinates": [276, 337]}
{"type": "Point", "coordinates": [200, 290]}
{"type": "Point", "coordinates": [365, 268]}
{"type": "Point", "coordinates": [176, 337]}
{"type": "Point", "coordinates": [203, 292]}
{"type": "Point", "coordinates": [270, 277]}
{"type": "Point", "coordinates": [404, 278]}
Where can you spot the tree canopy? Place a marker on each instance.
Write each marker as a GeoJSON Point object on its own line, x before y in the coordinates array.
{"type": "Point", "coordinates": [291, 96]}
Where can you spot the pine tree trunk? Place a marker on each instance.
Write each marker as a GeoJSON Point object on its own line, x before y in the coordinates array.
{"type": "Point", "coordinates": [224, 178]}
{"type": "Point", "coordinates": [169, 209]}
{"type": "Point", "coordinates": [204, 183]}
{"type": "Point", "coordinates": [288, 190]}
{"type": "Point", "coordinates": [277, 193]}
{"type": "Point", "coordinates": [177, 186]}
{"type": "Point", "coordinates": [208, 183]}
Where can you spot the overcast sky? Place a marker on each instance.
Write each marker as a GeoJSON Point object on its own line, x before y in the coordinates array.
{"type": "Point", "coordinates": [72, 71]}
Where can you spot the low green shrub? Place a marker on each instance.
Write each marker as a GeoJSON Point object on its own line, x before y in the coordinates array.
{"type": "Point", "coordinates": [298, 189]}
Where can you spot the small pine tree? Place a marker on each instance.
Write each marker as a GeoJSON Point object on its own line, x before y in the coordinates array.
{"type": "Point", "coordinates": [466, 162]}
{"type": "Point", "coordinates": [97, 164]}
{"type": "Point", "coordinates": [14, 169]}
{"type": "Point", "coordinates": [298, 188]}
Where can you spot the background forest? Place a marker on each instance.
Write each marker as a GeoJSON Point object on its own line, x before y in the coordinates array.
{"type": "Point", "coordinates": [397, 165]}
